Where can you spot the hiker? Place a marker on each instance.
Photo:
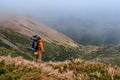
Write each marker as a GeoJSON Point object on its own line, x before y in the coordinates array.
{"type": "Point", "coordinates": [37, 47]}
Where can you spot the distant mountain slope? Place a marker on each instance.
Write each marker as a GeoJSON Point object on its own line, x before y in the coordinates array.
{"type": "Point", "coordinates": [30, 27]}
{"type": "Point", "coordinates": [21, 69]}
{"type": "Point", "coordinates": [109, 54]}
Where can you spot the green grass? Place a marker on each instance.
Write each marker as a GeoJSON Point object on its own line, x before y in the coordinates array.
{"type": "Point", "coordinates": [4, 45]}
{"type": "Point", "coordinates": [16, 38]}
{"type": "Point", "coordinates": [60, 53]}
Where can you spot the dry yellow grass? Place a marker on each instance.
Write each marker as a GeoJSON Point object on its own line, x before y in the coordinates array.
{"type": "Point", "coordinates": [68, 70]}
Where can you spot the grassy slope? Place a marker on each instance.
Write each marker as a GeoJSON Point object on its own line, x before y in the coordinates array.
{"type": "Point", "coordinates": [20, 69]}
{"type": "Point", "coordinates": [17, 39]}
{"type": "Point", "coordinates": [52, 51]}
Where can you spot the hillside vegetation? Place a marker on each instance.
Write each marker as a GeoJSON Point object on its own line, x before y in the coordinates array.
{"type": "Point", "coordinates": [109, 54]}
{"type": "Point", "coordinates": [21, 69]}
{"type": "Point", "coordinates": [52, 51]}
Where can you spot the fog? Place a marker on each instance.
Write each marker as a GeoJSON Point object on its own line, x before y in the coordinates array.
{"type": "Point", "coordinates": [86, 21]}
{"type": "Point", "coordinates": [57, 8]}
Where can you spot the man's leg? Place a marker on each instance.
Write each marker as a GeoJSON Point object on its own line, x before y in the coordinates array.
{"type": "Point", "coordinates": [37, 57]}
{"type": "Point", "coordinates": [40, 57]}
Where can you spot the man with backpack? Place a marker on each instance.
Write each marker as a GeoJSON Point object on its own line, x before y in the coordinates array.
{"type": "Point", "coordinates": [37, 47]}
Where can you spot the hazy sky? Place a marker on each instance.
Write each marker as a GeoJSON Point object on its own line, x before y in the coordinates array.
{"type": "Point", "coordinates": [86, 8]}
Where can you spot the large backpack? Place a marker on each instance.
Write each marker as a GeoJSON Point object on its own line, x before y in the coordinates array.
{"type": "Point", "coordinates": [35, 42]}
{"type": "Point", "coordinates": [35, 45]}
